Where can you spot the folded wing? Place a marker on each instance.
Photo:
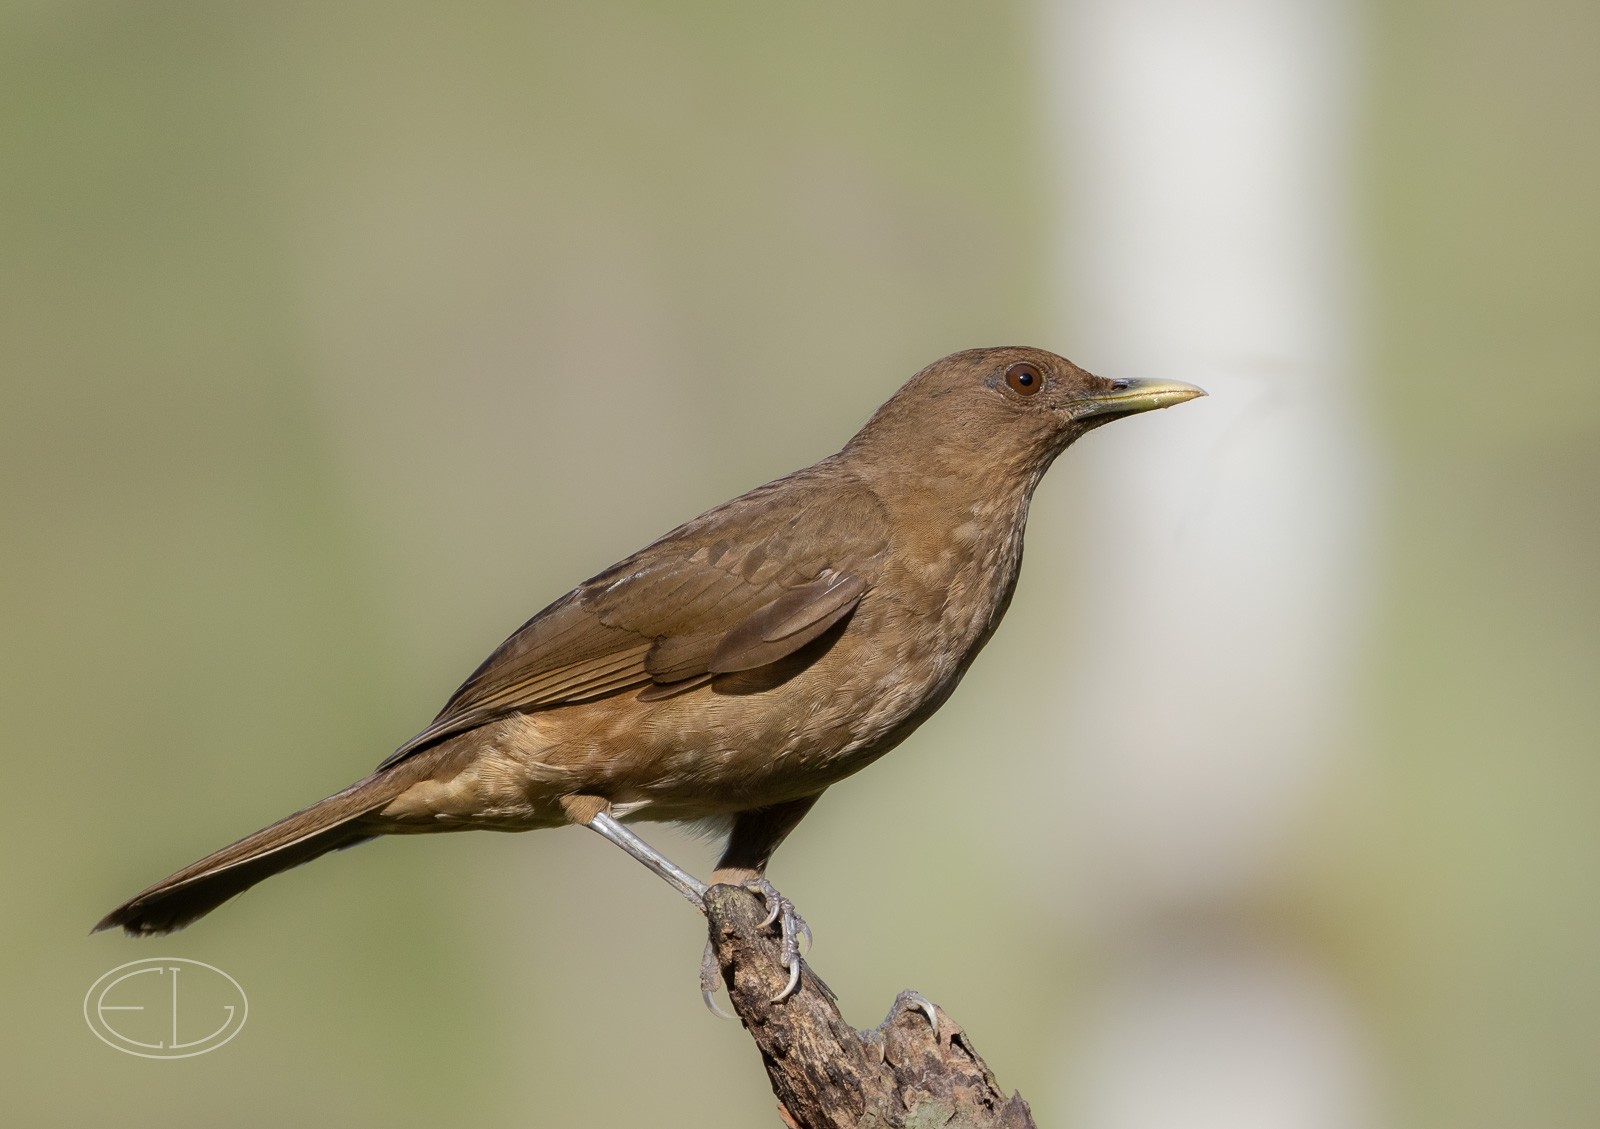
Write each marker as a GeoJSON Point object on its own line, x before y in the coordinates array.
{"type": "Point", "coordinates": [738, 588]}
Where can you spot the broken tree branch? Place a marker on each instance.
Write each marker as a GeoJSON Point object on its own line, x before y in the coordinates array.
{"type": "Point", "coordinates": [916, 1068]}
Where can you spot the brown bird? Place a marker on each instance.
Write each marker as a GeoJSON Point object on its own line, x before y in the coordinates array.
{"type": "Point", "coordinates": [731, 671]}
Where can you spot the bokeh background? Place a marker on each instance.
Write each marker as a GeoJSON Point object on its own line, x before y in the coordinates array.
{"type": "Point", "coordinates": [339, 337]}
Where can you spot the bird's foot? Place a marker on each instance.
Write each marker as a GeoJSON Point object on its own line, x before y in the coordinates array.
{"type": "Point", "coordinates": [791, 926]}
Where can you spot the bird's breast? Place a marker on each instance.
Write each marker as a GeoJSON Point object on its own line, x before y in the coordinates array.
{"type": "Point", "coordinates": [931, 619]}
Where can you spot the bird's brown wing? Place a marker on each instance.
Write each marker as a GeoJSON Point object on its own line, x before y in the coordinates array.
{"type": "Point", "coordinates": [735, 589]}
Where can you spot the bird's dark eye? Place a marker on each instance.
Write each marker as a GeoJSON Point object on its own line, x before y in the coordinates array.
{"type": "Point", "coordinates": [1024, 379]}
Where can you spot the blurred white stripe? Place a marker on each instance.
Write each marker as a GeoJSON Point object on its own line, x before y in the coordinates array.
{"type": "Point", "coordinates": [1225, 1034]}
{"type": "Point", "coordinates": [1203, 172]}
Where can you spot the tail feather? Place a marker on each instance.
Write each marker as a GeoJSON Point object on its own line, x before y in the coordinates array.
{"type": "Point", "coordinates": [336, 822]}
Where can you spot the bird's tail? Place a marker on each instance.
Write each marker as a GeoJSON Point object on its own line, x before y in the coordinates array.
{"type": "Point", "coordinates": [341, 820]}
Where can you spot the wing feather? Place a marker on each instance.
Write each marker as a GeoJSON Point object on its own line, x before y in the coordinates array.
{"type": "Point", "coordinates": [787, 624]}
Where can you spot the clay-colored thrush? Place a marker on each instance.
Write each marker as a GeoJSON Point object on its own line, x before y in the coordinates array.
{"type": "Point", "coordinates": [731, 671]}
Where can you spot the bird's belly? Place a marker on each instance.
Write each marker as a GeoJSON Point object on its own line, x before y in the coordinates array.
{"type": "Point", "coordinates": [740, 742]}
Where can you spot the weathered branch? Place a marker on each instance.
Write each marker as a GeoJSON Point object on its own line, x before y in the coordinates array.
{"type": "Point", "coordinates": [916, 1068]}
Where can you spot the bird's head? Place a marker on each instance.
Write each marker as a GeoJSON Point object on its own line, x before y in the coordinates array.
{"type": "Point", "coordinates": [1010, 410]}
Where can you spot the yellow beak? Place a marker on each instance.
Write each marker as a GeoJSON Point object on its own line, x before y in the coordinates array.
{"type": "Point", "coordinates": [1134, 396]}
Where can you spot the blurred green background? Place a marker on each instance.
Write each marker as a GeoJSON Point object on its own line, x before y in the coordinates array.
{"type": "Point", "coordinates": [340, 337]}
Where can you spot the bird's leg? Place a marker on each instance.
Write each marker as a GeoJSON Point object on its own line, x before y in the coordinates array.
{"type": "Point", "coordinates": [595, 814]}
{"type": "Point", "coordinates": [756, 834]}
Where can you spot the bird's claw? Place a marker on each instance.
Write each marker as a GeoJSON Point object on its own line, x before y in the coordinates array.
{"type": "Point", "coordinates": [916, 1001]}
{"type": "Point", "coordinates": [805, 931]}
{"type": "Point", "coordinates": [792, 927]}
{"type": "Point", "coordinates": [710, 980]}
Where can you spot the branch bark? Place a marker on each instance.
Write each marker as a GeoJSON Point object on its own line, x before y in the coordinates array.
{"type": "Point", "coordinates": [917, 1068]}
